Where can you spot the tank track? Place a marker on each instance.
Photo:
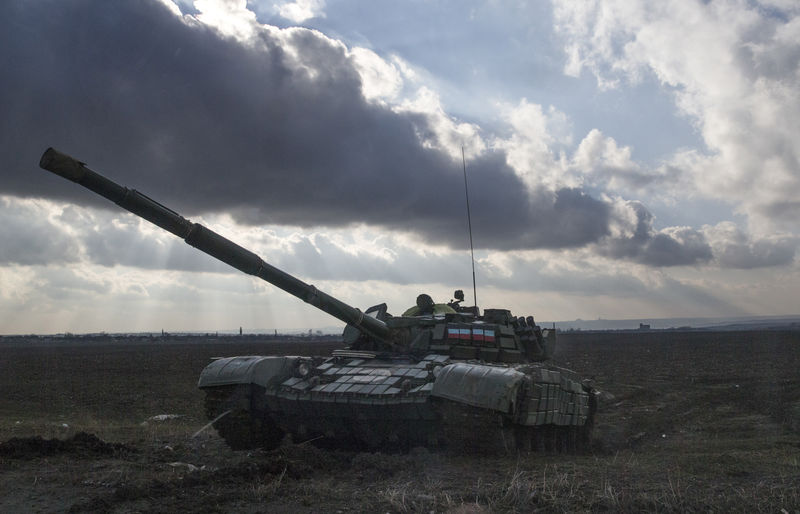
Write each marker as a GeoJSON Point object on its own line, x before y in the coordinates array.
{"type": "Point", "coordinates": [243, 428]}
{"type": "Point", "coordinates": [463, 429]}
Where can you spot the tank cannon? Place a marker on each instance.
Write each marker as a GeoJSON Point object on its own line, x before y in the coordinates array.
{"type": "Point", "coordinates": [208, 241]}
{"type": "Point", "coordinates": [439, 375]}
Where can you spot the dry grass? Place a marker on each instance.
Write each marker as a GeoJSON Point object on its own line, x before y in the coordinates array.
{"type": "Point", "coordinates": [267, 489]}
{"type": "Point", "coordinates": [617, 484]}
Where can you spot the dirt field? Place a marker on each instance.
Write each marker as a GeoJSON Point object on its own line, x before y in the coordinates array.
{"type": "Point", "coordinates": [690, 422]}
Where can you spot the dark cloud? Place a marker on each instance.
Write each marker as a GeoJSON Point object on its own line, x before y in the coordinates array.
{"type": "Point", "coordinates": [204, 123]}
{"type": "Point", "coordinates": [679, 248]}
{"type": "Point", "coordinates": [676, 247]}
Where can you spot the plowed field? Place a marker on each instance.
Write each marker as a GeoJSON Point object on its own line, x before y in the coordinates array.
{"type": "Point", "coordinates": [688, 421]}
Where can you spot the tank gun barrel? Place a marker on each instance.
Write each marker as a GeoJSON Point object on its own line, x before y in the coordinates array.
{"type": "Point", "coordinates": [208, 241]}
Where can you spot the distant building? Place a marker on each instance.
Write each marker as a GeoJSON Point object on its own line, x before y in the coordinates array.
{"type": "Point", "coordinates": [642, 326]}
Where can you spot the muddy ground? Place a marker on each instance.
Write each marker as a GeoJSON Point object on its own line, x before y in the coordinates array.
{"type": "Point", "coordinates": [689, 422]}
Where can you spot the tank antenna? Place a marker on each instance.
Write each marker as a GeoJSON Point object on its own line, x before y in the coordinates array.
{"type": "Point", "coordinates": [469, 224]}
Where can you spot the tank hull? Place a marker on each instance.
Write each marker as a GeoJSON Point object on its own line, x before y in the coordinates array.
{"type": "Point", "coordinates": [360, 400]}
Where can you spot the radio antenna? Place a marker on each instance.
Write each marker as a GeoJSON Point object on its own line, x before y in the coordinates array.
{"type": "Point", "coordinates": [469, 224]}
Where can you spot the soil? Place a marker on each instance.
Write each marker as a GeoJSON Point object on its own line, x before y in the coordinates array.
{"type": "Point", "coordinates": [688, 421]}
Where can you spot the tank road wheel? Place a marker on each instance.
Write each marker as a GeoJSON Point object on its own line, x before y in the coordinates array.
{"type": "Point", "coordinates": [537, 442]}
{"type": "Point", "coordinates": [243, 428]}
{"type": "Point", "coordinates": [572, 439]}
{"type": "Point", "coordinates": [549, 439]}
{"type": "Point", "coordinates": [524, 437]}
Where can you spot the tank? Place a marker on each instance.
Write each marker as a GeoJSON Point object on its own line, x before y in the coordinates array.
{"type": "Point", "coordinates": [441, 375]}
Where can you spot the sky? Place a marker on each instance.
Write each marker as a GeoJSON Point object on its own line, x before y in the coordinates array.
{"type": "Point", "coordinates": [625, 159]}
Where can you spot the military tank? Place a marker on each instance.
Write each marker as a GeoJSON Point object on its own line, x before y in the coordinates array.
{"type": "Point", "coordinates": [441, 375]}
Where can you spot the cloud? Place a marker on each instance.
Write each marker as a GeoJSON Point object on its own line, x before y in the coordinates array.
{"type": "Point", "coordinates": [436, 130]}
{"type": "Point", "coordinates": [529, 149]}
{"type": "Point", "coordinates": [43, 233]}
{"type": "Point", "coordinates": [231, 18]}
{"type": "Point", "coordinates": [635, 238]}
{"type": "Point", "coordinates": [30, 236]}
{"type": "Point", "coordinates": [732, 68]}
{"type": "Point", "coordinates": [271, 125]}
{"type": "Point", "coordinates": [612, 289]}
{"type": "Point", "coordinates": [213, 112]}
{"type": "Point", "coordinates": [120, 263]}
{"type": "Point", "coordinates": [604, 164]}
{"type": "Point", "coordinates": [379, 79]}
{"type": "Point", "coordinates": [735, 249]}
{"type": "Point", "coordinates": [301, 10]}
